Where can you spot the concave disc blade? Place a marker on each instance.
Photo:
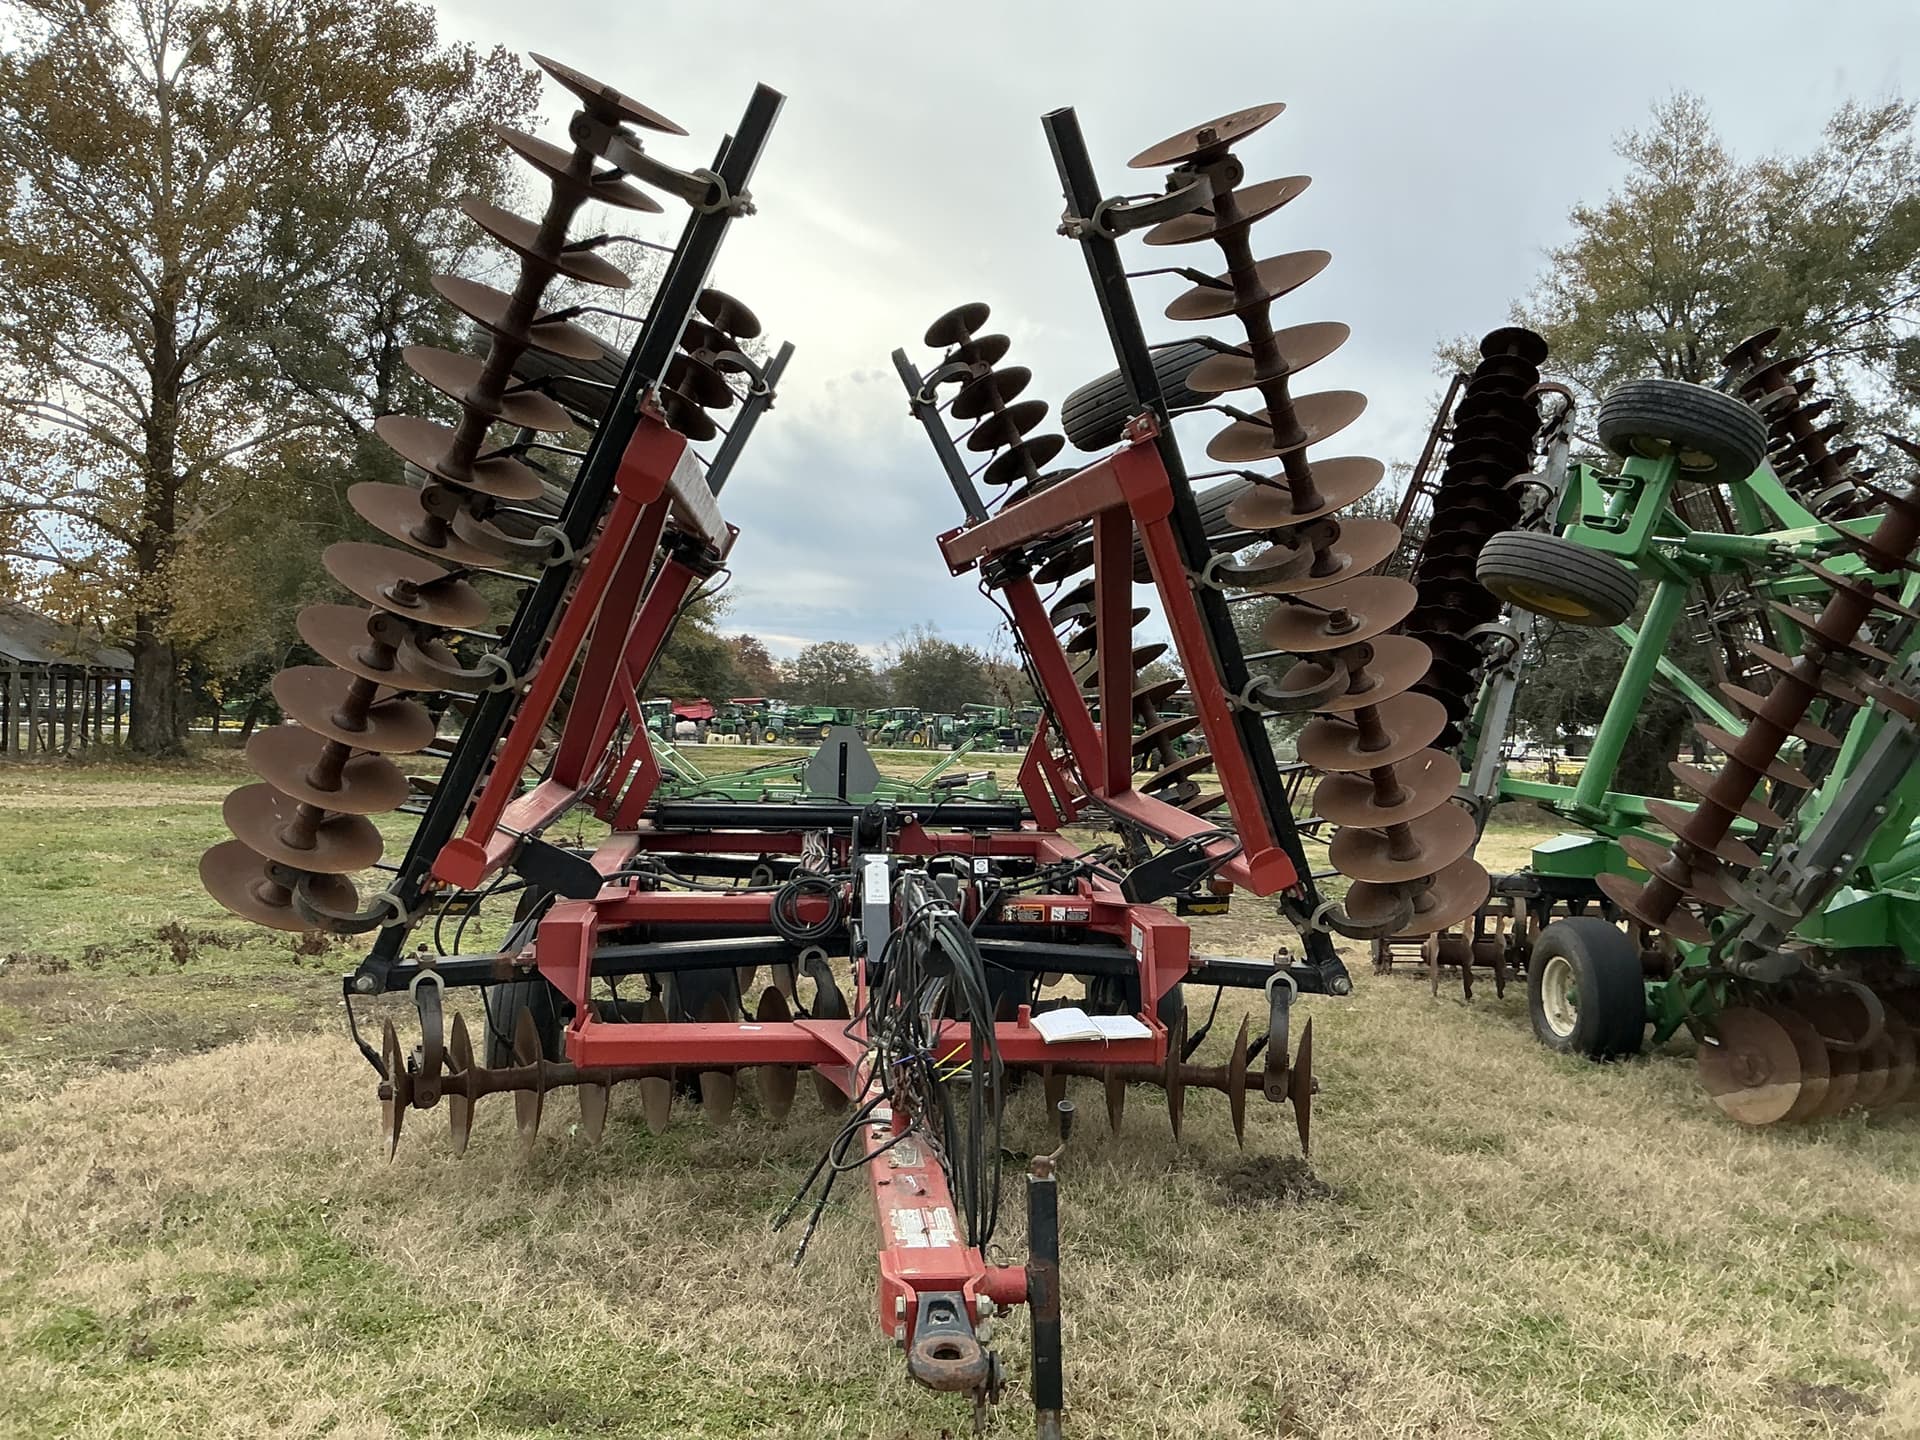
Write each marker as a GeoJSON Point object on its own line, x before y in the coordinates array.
{"type": "Point", "coordinates": [1815, 1070]}
{"type": "Point", "coordinates": [459, 1107]}
{"type": "Point", "coordinates": [1251, 203]}
{"type": "Point", "coordinates": [1201, 139]}
{"type": "Point", "coordinates": [776, 1083]}
{"type": "Point", "coordinates": [1237, 1085]}
{"type": "Point", "coordinates": [399, 1088]}
{"type": "Point", "coordinates": [1321, 415]}
{"type": "Point", "coordinates": [1702, 783]}
{"type": "Point", "coordinates": [396, 511]}
{"type": "Point", "coordinates": [285, 755]}
{"type": "Point", "coordinates": [1428, 780]}
{"type": "Point", "coordinates": [339, 633]}
{"type": "Point", "coordinates": [1164, 732]}
{"type": "Point", "coordinates": [489, 308]}
{"type": "Point", "coordinates": [237, 877]}
{"type": "Point", "coordinates": [1007, 425]}
{"type": "Point", "coordinates": [456, 373]}
{"type": "Point", "coordinates": [530, 1100]}
{"type": "Point", "coordinates": [342, 844]}
{"type": "Point", "coordinates": [410, 586]}
{"type": "Point", "coordinates": [603, 101]}
{"type": "Point", "coordinates": [427, 445]}
{"type": "Point", "coordinates": [1705, 882]}
{"type": "Point", "coordinates": [320, 698]}
{"type": "Point", "coordinates": [1905, 1049]}
{"type": "Point", "coordinates": [727, 314]}
{"type": "Point", "coordinates": [1340, 615]}
{"type": "Point", "coordinates": [1753, 1073]}
{"type": "Point", "coordinates": [977, 397]}
{"type": "Point", "coordinates": [1178, 770]}
{"type": "Point", "coordinates": [593, 1111]}
{"type": "Point", "coordinates": [1772, 767]}
{"type": "Point", "coordinates": [1272, 278]}
{"type": "Point", "coordinates": [1456, 892]}
{"type": "Point", "coordinates": [1300, 1087]}
{"type": "Point", "coordinates": [556, 164]}
{"type": "Point", "coordinates": [1515, 340]}
{"type": "Point", "coordinates": [1362, 545]}
{"type": "Point", "coordinates": [1408, 723]}
{"type": "Point", "coordinates": [1440, 837]}
{"type": "Point", "coordinates": [1299, 345]}
{"type": "Point", "coordinates": [1681, 923]}
{"type": "Point", "coordinates": [957, 324]}
{"type": "Point", "coordinates": [521, 235]}
{"type": "Point", "coordinates": [1023, 461]}
{"type": "Point", "coordinates": [1730, 850]}
{"type": "Point", "coordinates": [1152, 693]}
{"type": "Point", "coordinates": [1340, 480]}
{"type": "Point", "coordinates": [1398, 662]}
{"type": "Point", "coordinates": [718, 1088]}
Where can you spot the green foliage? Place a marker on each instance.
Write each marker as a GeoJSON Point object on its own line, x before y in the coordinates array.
{"type": "Point", "coordinates": [698, 660]}
{"type": "Point", "coordinates": [832, 672]}
{"type": "Point", "coordinates": [935, 674]}
{"type": "Point", "coordinates": [754, 669]}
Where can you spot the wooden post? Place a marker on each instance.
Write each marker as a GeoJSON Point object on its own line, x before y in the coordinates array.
{"type": "Point", "coordinates": [66, 712]}
{"type": "Point", "coordinates": [33, 705]}
{"type": "Point", "coordinates": [99, 699]}
{"type": "Point", "coordinates": [118, 695]}
{"type": "Point", "coordinates": [6, 710]}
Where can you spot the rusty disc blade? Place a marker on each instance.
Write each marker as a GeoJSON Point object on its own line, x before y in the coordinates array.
{"type": "Point", "coordinates": [957, 324]}
{"type": "Point", "coordinates": [456, 373]}
{"type": "Point", "coordinates": [1068, 561]}
{"type": "Point", "coordinates": [1237, 1085]}
{"type": "Point", "coordinates": [1215, 134]}
{"type": "Point", "coordinates": [1178, 770]}
{"type": "Point", "coordinates": [1007, 425]}
{"type": "Point", "coordinates": [1083, 638]}
{"type": "Point", "coordinates": [1815, 1071]}
{"type": "Point", "coordinates": [1876, 1075]}
{"type": "Point", "coordinates": [397, 512]}
{"type": "Point", "coordinates": [1681, 923]}
{"type": "Point", "coordinates": [1806, 730]}
{"type": "Point", "coordinates": [427, 445]}
{"type": "Point", "coordinates": [459, 1106]}
{"type": "Point", "coordinates": [1023, 461]}
{"type": "Point", "coordinates": [1271, 278]}
{"type": "Point", "coordinates": [234, 875]}
{"type": "Point", "coordinates": [1398, 662]}
{"type": "Point", "coordinates": [521, 235]}
{"type": "Point", "coordinates": [829, 1004]}
{"type": "Point", "coordinates": [1340, 481]}
{"type": "Point", "coordinates": [323, 699]}
{"type": "Point", "coordinates": [1054, 1085]}
{"type": "Point", "coordinates": [260, 815]}
{"type": "Point", "coordinates": [1730, 850]}
{"type": "Point", "coordinates": [1321, 415]}
{"type": "Point", "coordinates": [1251, 203]}
{"type": "Point", "coordinates": [285, 755]}
{"type": "Point", "coordinates": [699, 382]}
{"type": "Point", "coordinates": [1152, 693]}
{"type": "Point", "coordinates": [1173, 1076]}
{"type": "Point", "coordinates": [556, 164]}
{"type": "Point", "coordinates": [718, 1088]}
{"type": "Point", "coordinates": [725, 313]}
{"type": "Point", "coordinates": [984, 395]}
{"type": "Point", "coordinates": [407, 585]}
{"type": "Point", "coordinates": [1078, 599]}
{"type": "Point", "coordinates": [1438, 839]}
{"type": "Point", "coordinates": [1843, 1082]}
{"type": "Point", "coordinates": [1143, 656]}
{"type": "Point", "coordinates": [489, 308]}
{"type": "Point", "coordinates": [1773, 768]}
{"type": "Point", "coordinates": [776, 1083]}
{"type": "Point", "coordinates": [398, 1088]}
{"type": "Point", "coordinates": [1705, 881]}
{"type": "Point", "coordinates": [604, 102]}
{"type": "Point", "coordinates": [1455, 893]}
{"type": "Point", "coordinates": [1515, 340]}
{"type": "Point", "coordinates": [1753, 1071]}
{"type": "Point", "coordinates": [529, 1101]}
{"type": "Point", "coordinates": [656, 1091]}
{"type": "Point", "coordinates": [1428, 780]}
{"type": "Point", "coordinates": [1905, 1051]}
{"type": "Point", "coordinates": [1362, 545]}
{"type": "Point", "coordinates": [593, 1111]}
{"type": "Point", "coordinates": [1164, 732]}
{"type": "Point", "coordinates": [339, 633]}
{"type": "Point", "coordinates": [1701, 783]}
{"type": "Point", "coordinates": [1116, 1090]}
{"type": "Point", "coordinates": [1340, 615]}
{"type": "Point", "coordinates": [1830, 633]}
{"type": "Point", "coordinates": [1408, 722]}
{"type": "Point", "coordinates": [1299, 346]}
{"type": "Point", "coordinates": [1301, 1086]}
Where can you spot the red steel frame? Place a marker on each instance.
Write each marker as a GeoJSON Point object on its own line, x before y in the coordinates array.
{"type": "Point", "coordinates": [620, 614]}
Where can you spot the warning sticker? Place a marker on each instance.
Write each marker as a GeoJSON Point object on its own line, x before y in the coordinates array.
{"type": "Point", "coordinates": [924, 1229]}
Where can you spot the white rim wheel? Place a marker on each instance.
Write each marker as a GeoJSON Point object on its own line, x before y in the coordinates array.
{"type": "Point", "coordinates": [1559, 1002]}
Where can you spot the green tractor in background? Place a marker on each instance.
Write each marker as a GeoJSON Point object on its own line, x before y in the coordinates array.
{"type": "Point", "coordinates": [895, 727]}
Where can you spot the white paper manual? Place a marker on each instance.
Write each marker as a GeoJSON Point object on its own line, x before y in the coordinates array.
{"type": "Point", "coordinates": [1057, 1027]}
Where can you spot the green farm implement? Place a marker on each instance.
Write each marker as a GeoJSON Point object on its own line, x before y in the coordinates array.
{"type": "Point", "coordinates": [1773, 909]}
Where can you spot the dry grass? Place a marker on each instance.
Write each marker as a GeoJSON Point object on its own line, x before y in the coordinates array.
{"type": "Point", "coordinates": [210, 1243]}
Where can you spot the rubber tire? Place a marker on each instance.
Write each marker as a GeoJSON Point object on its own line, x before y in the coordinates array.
{"type": "Point", "coordinates": [1095, 415]}
{"type": "Point", "coordinates": [1523, 566]}
{"type": "Point", "coordinates": [505, 1001]}
{"type": "Point", "coordinates": [1720, 437]}
{"type": "Point", "coordinates": [1612, 1018]}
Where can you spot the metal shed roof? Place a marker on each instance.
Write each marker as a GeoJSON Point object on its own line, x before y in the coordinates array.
{"type": "Point", "coordinates": [29, 638]}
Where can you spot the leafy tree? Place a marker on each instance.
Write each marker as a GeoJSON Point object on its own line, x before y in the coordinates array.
{"type": "Point", "coordinates": [198, 191]}
{"type": "Point", "coordinates": [753, 665]}
{"type": "Point", "coordinates": [935, 674]}
{"type": "Point", "coordinates": [698, 660]}
{"type": "Point", "coordinates": [833, 672]}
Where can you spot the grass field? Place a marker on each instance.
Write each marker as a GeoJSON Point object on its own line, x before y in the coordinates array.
{"type": "Point", "coordinates": [199, 1235]}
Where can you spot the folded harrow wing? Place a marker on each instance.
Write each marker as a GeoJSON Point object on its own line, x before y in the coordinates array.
{"type": "Point", "coordinates": [1774, 910]}
{"type": "Point", "coordinates": [897, 941]}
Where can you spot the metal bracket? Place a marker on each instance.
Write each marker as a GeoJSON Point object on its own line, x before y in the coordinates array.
{"type": "Point", "coordinates": [1121, 214]}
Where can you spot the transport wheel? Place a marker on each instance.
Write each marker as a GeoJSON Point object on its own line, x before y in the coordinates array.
{"type": "Point", "coordinates": [1586, 992]}
{"type": "Point", "coordinates": [1710, 434]}
{"type": "Point", "coordinates": [1556, 577]}
{"type": "Point", "coordinates": [505, 1001]}
{"type": "Point", "coordinates": [1094, 415]}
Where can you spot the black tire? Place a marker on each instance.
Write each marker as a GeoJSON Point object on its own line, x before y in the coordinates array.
{"type": "Point", "coordinates": [1586, 992]}
{"type": "Point", "coordinates": [505, 1001]}
{"type": "Point", "coordinates": [1094, 415]}
{"type": "Point", "coordinates": [1556, 577]}
{"type": "Point", "coordinates": [1713, 435]}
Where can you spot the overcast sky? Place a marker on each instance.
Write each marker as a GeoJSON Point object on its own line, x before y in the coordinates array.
{"type": "Point", "coordinates": [908, 173]}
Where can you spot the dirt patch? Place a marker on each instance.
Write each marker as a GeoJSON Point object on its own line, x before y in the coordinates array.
{"type": "Point", "coordinates": [1269, 1181]}
{"type": "Point", "coordinates": [184, 944]}
{"type": "Point", "coordinates": [1834, 1400]}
